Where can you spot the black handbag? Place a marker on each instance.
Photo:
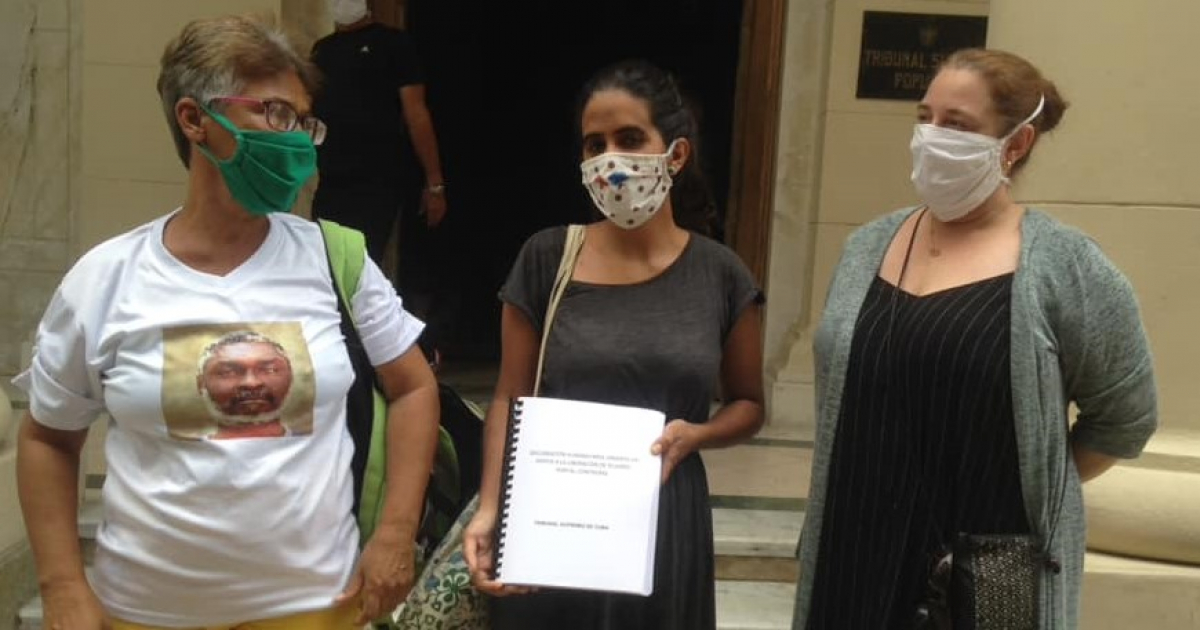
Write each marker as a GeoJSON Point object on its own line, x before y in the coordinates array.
{"type": "Point", "coordinates": [989, 581]}
{"type": "Point", "coordinates": [996, 581]}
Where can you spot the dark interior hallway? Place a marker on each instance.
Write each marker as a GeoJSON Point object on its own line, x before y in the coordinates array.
{"type": "Point", "coordinates": [502, 81]}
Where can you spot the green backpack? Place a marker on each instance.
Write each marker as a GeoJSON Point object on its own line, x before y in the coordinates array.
{"type": "Point", "coordinates": [366, 412]}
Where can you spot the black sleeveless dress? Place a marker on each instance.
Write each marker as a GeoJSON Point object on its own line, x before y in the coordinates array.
{"type": "Point", "coordinates": [925, 448]}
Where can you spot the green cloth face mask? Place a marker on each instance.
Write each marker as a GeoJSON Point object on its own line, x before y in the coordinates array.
{"type": "Point", "coordinates": [268, 169]}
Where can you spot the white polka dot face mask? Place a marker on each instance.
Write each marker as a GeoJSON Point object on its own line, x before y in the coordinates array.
{"type": "Point", "coordinates": [628, 188]}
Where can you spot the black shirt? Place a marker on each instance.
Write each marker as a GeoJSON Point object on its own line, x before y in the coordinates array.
{"type": "Point", "coordinates": [359, 100]}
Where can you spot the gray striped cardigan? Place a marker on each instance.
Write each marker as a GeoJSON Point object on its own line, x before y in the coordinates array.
{"type": "Point", "coordinates": [1076, 337]}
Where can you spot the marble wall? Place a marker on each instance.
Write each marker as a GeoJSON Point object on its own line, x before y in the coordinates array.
{"type": "Point", "coordinates": [129, 171]}
{"type": "Point", "coordinates": [39, 126]}
{"type": "Point", "coordinates": [842, 161]}
{"type": "Point", "coordinates": [306, 21]}
{"type": "Point", "coordinates": [1122, 167]}
{"type": "Point", "coordinates": [797, 194]}
{"type": "Point", "coordinates": [39, 135]}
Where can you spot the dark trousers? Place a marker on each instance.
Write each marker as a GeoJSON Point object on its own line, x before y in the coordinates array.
{"type": "Point", "coordinates": [369, 208]}
{"type": "Point", "coordinates": [373, 209]}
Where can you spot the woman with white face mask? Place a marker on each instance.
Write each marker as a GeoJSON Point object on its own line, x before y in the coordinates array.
{"type": "Point", "coordinates": [955, 335]}
{"type": "Point", "coordinates": [654, 316]}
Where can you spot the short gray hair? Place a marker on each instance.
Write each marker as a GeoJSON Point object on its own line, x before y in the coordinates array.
{"type": "Point", "coordinates": [216, 57]}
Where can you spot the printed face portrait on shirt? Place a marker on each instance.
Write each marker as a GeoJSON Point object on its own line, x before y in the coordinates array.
{"type": "Point", "coordinates": [244, 378]}
{"type": "Point", "coordinates": [246, 381]}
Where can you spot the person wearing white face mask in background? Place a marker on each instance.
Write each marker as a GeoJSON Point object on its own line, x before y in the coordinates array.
{"type": "Point", "coordinates": [954, 337]}
{"type": "Point", "coordinates": [654, 316]}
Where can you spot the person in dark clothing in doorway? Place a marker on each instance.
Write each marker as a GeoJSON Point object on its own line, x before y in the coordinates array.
{"type": "Point", "coordinates": [373, 103]}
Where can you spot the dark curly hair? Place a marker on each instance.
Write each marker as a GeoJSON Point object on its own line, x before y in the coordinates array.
{"type": "Point", "coordinates": [691, 196]}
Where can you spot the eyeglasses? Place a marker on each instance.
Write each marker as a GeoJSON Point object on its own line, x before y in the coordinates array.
{"type": "Point", "coordinates": [281, 116]}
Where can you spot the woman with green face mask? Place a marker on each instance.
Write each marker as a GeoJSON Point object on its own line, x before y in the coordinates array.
{"type": "Point", "coordinates": [212, 338]}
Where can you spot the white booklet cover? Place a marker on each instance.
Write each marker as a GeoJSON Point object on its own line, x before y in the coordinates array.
{"type": "Point", "coordinates": [579, 496]}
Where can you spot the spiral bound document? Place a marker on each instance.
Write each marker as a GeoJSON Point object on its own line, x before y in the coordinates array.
{"type": "Point", "coordinates": [579, 504]}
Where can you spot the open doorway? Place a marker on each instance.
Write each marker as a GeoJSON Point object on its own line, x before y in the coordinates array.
{"type": "Point", "coordinates": [503, 78]}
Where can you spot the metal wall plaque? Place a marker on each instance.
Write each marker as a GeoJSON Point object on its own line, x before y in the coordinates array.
{"type": "Point", "coordinates": [901, 51]}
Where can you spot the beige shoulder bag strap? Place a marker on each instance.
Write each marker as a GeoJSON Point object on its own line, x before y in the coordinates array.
{"type": "Point", "coordinates": [566, 268]}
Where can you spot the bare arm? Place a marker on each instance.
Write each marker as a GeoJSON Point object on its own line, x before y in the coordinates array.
{"type": "Point", "coordinates": [386, 570]}
{"type": "Point", "coordinates": [420, 129]}
{"type": "Point", "coordinates": [424, 140]}
{"type": "Point", "coordinates": [741, 382]}
{"type": "Point", "coordinates": [47, 483]}
{"type": "Point", "coordinates": [412, 429]}
{"type": "Point", "coordinates": [742, 414]}
{"type": "Point", "coordinates": [518, 362]}
{"type": "Point", "coordinates": [1091, 464]}
{"type": "Point", "coordinates": [519, 345]}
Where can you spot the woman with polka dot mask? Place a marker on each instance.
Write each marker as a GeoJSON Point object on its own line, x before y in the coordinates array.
{"type": "Point", "coordinates": [654, 315]}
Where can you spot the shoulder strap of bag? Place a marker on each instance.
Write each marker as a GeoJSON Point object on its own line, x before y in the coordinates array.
{"type": "Point", "coordinates": [566, 268]}
{"type": "Point", "coordinates": [346, 249]}
{"type": "Point", "coordinates": [347, 253]}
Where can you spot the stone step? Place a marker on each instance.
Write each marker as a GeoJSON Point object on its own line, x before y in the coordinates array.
{"type": "Point", "coordinates": [759, 491]}
{"type": "Point", "coordinates": [751, 532]}
{"type": "Point", "coordinates": [1121, 593]}
{"type": "Point", "coordinates": [746, 605]}
{"type": "Point", "coordinates": [756, 545]}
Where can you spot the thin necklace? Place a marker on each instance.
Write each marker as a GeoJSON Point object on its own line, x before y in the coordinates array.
{"type": "Point", "coordinates": [934, 250]}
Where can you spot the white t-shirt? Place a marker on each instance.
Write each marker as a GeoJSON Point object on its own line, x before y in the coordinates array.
{"type": "Point", "coordinates": [199, 528]}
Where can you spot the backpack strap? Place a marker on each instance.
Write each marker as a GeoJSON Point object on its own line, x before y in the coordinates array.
{"type": "Point", "coordinates": [566, 268]}
{"type": "Point", "coordinates": [347, 251]}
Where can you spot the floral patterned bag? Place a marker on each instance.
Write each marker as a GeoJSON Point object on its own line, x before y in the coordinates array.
{"type": "Point", "coordinates": [443, 598]}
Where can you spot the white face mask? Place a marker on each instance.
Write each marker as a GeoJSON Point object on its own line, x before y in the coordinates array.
{"type": "Point", "coordinates": [955, 171]}
{"type": "Point", "coordinates": [628, 188]}
{"type": "Point", "coordinates": [347, 11]}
